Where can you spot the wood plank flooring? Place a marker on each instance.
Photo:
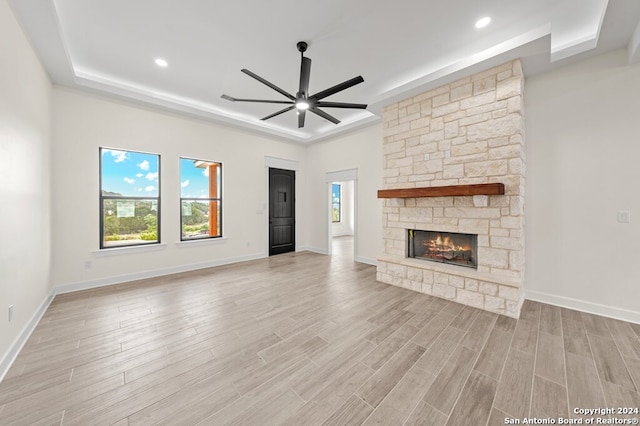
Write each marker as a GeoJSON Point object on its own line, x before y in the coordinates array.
{"type": "Point", "coordinates": [306, 339]}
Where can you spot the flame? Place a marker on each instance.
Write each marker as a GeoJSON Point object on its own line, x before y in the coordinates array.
{"type": "Point", "coordinates": [444, 244]}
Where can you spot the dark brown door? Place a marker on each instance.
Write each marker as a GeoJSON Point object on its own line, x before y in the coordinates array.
{"type": "Point", "coordinates": [282, 202]}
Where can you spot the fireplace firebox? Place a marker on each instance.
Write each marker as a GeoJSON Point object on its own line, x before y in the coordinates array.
{"type": "Point", "coordinates": [445, 247]}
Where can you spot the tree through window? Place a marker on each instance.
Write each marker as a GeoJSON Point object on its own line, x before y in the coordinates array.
{"type": "Point", "coordinates": [129, 198]}
{"type": "Point", "coordinates": [336, 202]}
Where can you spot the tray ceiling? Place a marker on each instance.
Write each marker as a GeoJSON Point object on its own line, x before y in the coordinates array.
{"type": "Point", "coordinates": [401, 48]}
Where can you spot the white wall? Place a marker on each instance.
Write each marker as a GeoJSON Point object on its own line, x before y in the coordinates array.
{"type": "Point", "coordinates": [346, 224]}
{"type": "Point", "coordinates": [84, 122]}
{"type": "Point", "coordinates": [361, 150]}
{"type": "Point", "coordinates": [25, 137]}
{"type": "Point", "coordinates": [583, 166]}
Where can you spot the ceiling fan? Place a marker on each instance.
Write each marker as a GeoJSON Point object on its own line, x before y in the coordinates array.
{"type": "Point", "coordinates": [302, 101]}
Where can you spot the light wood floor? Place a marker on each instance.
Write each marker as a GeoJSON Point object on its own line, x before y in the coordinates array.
{"type": "Point", "coordinates": [305, 339]}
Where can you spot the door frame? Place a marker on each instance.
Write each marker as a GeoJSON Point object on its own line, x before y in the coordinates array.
{"type": "Point", "coordinates": [276, 163]}
{"type": "Point", "coordinates": [342, 176]}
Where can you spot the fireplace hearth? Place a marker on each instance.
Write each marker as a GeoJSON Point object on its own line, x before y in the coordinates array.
{"type": "Point", "coordinates": [445, 247]}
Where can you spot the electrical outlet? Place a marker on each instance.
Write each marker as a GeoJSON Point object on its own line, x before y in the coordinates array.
{"type": "Point", "coordinates": [10, 313]}
{"type": "Point", "coordinates": [87, 264]}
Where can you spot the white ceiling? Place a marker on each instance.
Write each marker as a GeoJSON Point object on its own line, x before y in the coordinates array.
{"type": "Point", "coordinates": [400, 47]}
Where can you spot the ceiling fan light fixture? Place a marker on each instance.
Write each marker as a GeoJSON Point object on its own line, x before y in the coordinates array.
{"type": "Point", "coordinates": [302, 104]}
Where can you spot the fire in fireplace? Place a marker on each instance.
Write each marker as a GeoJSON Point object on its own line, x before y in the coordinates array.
{"type": "Point", "coordinates": [446, 247]}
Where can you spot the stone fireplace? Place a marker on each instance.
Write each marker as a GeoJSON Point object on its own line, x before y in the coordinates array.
{"type": "Point", "coordinates": [468, 133]}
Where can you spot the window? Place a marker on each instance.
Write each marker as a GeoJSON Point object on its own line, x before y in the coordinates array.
{"type": "Point", "coordinates": [200, 199]}
{"type": "Point", "coordinates": [129, 198]}
{"type": "Point", "coordinates": [336, 201]}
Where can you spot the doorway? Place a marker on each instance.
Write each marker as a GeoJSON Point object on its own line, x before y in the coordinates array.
{"type": "Point", "coordinates": [342, 217]}
{"type": "Point", "coordinates": [282, 221]}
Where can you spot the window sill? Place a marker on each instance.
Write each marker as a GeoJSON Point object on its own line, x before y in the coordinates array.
{"type": "Point", "coordinates": [202, 242]}
{"type": "Point", "coordinates": [117, 251]}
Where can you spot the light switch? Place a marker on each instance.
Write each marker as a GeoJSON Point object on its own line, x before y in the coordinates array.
{"type": "Point", "coordinates": [624, 216]}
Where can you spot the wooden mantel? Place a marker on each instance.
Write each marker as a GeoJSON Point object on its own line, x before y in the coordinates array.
{"type": "Point", "coordinates": [444, 191]}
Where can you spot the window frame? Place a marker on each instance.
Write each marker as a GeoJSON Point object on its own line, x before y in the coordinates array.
{"type": "Point", "coordinates": [218, 199]}
{"type": "Point", "coordinates": [102, 198]}
{"type": "Point", "coordinates": [338, 203]}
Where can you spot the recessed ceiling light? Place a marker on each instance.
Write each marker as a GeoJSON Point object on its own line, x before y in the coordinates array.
{"type": "Point", "coordinates": [161, 62]}
{"type": "Point", "coordinates": [483, 22]}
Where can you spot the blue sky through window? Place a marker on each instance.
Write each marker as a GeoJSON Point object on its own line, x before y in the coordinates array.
{"type": "Point", "coordinates": [194, 181]}
{"type": "Point", "coordinates": [335, 193]}
{"type": "Point", "coordinates": [128, 173]}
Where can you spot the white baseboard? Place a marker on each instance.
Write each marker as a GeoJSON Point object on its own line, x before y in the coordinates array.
{"type": "Point", "coordinates": [119, 279]}
{"type": "Point", "coordinates": [342, 234]}
{"type": "Point", "coordinates": [584, 306]}
{"type": "Point", "coordinates": [15, 348]}
{"type": "Point", "coordinates": [313, 250]}
{"type": "Point", "coordinates": [367, 260]}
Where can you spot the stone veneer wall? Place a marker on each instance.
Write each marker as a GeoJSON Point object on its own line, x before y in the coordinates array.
{"type": "Point", "coordinates": [467, 132]}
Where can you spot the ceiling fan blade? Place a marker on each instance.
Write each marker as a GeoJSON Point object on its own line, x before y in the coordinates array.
{"type": "Point", "coordinates": [324, 115]}
{"type": "Point", "coordinates": [267, 83]}
{"type": "Point", "coordinates": [278, 113]}
{"type": "Point", "coordinates": [301, 115]}
{"type": "Point", "coordinates": [340, 105]}
{"type": "Point", "coordinates": [338, 88]}
{"type": "Point", "coordinates": [264, 101]}
{"type": "Point", "coordinates": [305, 71]}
